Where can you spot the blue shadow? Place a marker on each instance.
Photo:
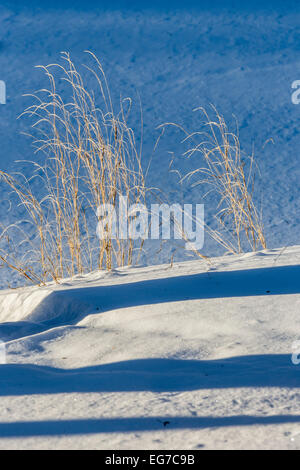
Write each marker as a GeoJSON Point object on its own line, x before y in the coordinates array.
{"type": "Point", "coordinates": [140, 424]}
{"type": "Point", "coordinates": [58, 308]}
{"type": "Point", "coordinates": [159, 5]}
{"type": "Point", "coordinates": [155, 375]}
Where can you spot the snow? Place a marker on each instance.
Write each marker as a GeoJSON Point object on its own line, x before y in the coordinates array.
{"type": "Point", "coordinates": [193, 355]}
{"type": "Point", "coordinates": [103, 361]}
{"type": "Point", "coordinates": [241, 58]}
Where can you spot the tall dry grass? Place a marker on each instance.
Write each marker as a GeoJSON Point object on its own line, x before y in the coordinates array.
{"type": "Point", "coordinates": [228, 176]}
{"type": "Point", "coordinates": [90, 159]}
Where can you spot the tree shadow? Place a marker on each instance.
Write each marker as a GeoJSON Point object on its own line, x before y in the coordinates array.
{"type": "Point", "coordinates": [155, 375]}
{"type": "Point", "coordinates": [68, 306]}
{"type": "Point", "coordinates": [64, 306]}
{"type": "Point", "coordinates": [139, 424]}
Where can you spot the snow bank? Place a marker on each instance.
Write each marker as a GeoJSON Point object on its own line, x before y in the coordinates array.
{"type": "Point", "coordinates": [113, 356]}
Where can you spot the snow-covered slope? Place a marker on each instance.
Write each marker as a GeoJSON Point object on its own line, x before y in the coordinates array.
{"type": "Point", "coordinates": [240, 56]}
{"type": "Point", "coordinates": [190, 356]}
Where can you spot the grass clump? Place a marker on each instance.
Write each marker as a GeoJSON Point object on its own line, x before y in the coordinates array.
{"type": "Point", "coordinates": [90, 159]}
{"type": "Point", "coordinates": [228, 177]}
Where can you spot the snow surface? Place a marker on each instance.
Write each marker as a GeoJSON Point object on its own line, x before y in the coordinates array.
{"type": "Point", "coordinates": [240, 56]}
{"type": "Point", "coordinates": [190, 356]}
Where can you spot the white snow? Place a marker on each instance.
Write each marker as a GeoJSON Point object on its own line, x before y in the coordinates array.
{"type": "Point", "coordinates": [189, 356]}
{"type": "Point", "coordinates": [104, 360]}
{"type": "Point", "coordinates": [176, 56]}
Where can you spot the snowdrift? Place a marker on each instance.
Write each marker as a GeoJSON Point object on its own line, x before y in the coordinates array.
{"type": "Point", "coordinates": [155, 357]}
